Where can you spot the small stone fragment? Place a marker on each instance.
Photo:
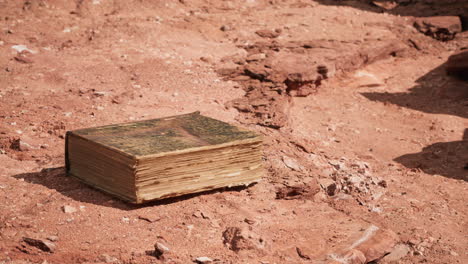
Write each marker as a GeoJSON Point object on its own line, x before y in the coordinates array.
{"type": "Point", "coordinates": [21, 48]}
{"type": "Point", "coordinates": [238, 239]}
{"type": "Point", "coordinates": [250, 221]}
{"type": "Point", "coordinates": [266, 33]}
{"type": "Point", "coordinates": [328, 185]}
{"type": "Point", "coordinates": [302, 191]}
{"type": "Point", "coordinates": [21, 145]}
{"type": "Point", "coordinates": [206, 59]}
{"type": "Point", "coordinates": [43, 245]}
{"type": "Point", "coordinates": [292, 163]}
{"type": "Point", "coordinates": [256, 57]}
{"type": "Point", "coordinates": [203, 260]}
{"type": "Point", "coordinates": [160, 249]}
{"type": "Point", "coordinates": [108, 259]}
{"type": "Point", "coordinates": [69, 209]}
{"type": "Point", "coordinates": [387, 5]}
{"type": "Point", "coordinates": [23, 57]}
{"type": "Point", "coordinates": [53, 238]}
{"type": "Point", "coordinates": [399, 252]}
{"type": "Point", "coordinates": [149, 218]}
{"type": "Point", "coordinates": [225, 28]}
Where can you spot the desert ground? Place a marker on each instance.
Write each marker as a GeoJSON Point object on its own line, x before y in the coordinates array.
{"type": "Point", "coordinates": [365, 132]}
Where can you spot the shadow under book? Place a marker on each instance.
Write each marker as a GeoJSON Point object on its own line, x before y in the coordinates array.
{"type": "Point", "coordinates": [166, 157]}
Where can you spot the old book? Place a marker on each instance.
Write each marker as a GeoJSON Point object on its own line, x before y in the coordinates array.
{"type": "Point", "coordinates": [166, 157]}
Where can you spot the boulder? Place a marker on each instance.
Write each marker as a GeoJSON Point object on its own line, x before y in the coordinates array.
{"type": "Point", "coordinates": [457, 65]}
{"type": "Point", "coordinates": [442, 28]}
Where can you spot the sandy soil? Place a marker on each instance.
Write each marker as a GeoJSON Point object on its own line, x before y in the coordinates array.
{"type": "Point", "coordinates": [366, 136]}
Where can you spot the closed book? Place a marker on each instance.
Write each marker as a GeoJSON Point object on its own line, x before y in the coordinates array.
{"type": "Point", "coordinates": [165, 157]}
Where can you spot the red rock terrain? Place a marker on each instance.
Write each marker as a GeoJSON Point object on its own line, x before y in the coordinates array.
{"type": "Point", "coordinates": [362, 105]}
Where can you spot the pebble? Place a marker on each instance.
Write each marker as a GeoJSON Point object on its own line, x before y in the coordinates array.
{"type": "Point", "coordinates": [225, 28]}
{"type": "Point", "coordinates": [160, 249]}
{"type": "Point", "coordinates": [149, 218]}
{"type": "Point", "coordinates": [339, 165]}
{"type": "Point", "coordinates": [97, 93]}
{"type": "Point", "coordinates": [328, 185]}
{"type": "Point", "coordinates": [256, 57]}
{"type": "Point", "coordinates": [43, 245]}
{"type": "Point", "coordinates": [292, 163]}
{"type": "Point", "coordinates": [20, 145]}
{"type": "Point", "coordinates": [53, 238]}
{"type": "Point", "coordinates": [21, 48]}
{"type": "Point", "coordinates": [108, 259]}
{"type": "Point", "coordinates": [68, 209]}
{"type": "Point", "coordinates": [250, 221]}
{"type": "Point", "coordinates": [206, 59]}
{"type": "Point", "coordinates": [203, 260]}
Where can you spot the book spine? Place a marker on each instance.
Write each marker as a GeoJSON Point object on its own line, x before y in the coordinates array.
{"type": "Point", "coordinates": [67, 161]}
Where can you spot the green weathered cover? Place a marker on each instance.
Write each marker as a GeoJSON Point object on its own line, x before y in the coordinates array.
{"type": "Point", "coordinates": [165, 134]}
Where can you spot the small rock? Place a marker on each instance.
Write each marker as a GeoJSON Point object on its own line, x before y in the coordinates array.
{"type": "Point", "coordinates": [328, 185]}
{"type": "Point", "coordinates": [225, 28]}
{"type": "Point", "coordinates": [69, 209]}
{"type": "Point", "coordinates": [53, 238]}
{"type": "Point", "coordinates": [206, 59]}
{"type": "Point", "coordinates": [453, 253]}
{"type": "Point", "coordinates": [256, 57]}
{"type": "Point", "coordinates": [21, 145]}
{"type": "Point", "coordinates": [203, 260]}
{"type": "Point", "coordinates": [292, 163]}
{"type": "Point", "coordinates": [241, 239]}
{"type": "Point", "coordinates": [442, 28]}
{"type": "Point", "coordinates": [23, 57]}
{"type": "Point", "coordinates": [149, 218]}
{"type": "Point", "coordinates": [387, 5]}
{"type": "Point", "coordinates": [266, 33]}
{"type": "Point", "coordinates": [399, 252]}
{"type": "Point", "coordinates": [21, 48]}
{"type": "Point", "coordinates": [302, 191]}
{"type": "Point", "coordinates": [337, 164]}
{"type": "Point", "coordinates": [228, 70]}
{"type": "Point", "coordinates": [197, 214]}
{"type": "Point", "coordinates": [250, 221]}
{"type": "Point", "coordinates": [97, 93]}
{"type": "Point", "coordinates": [43, 245]}
{"type": "Point", "coordinates": [108, 259]}
{"type": "Point", "coordinates": [160, 249]}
